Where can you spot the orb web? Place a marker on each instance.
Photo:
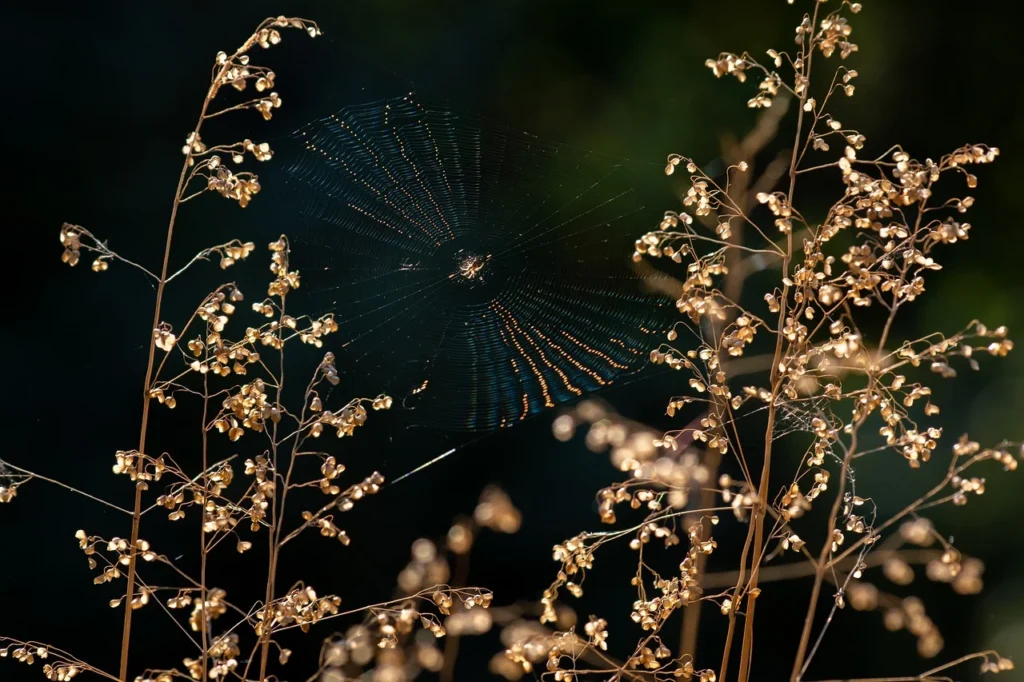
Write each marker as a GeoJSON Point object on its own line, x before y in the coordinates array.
{"type": "Point", "coordinates": [477, 273]}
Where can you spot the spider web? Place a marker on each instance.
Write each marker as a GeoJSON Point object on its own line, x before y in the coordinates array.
{"type": "Point", "coordinates": [796, 416]}
{"type": "Point", "coordinates": [477, 273]}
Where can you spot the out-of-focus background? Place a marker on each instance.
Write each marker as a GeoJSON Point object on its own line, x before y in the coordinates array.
{"type": "Point", "coordinates": [98, 98]}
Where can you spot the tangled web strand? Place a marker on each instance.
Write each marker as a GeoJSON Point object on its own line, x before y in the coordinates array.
{"type": "Point", "coordinates": [475, 270]}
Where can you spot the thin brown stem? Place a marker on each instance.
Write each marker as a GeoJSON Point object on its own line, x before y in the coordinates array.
{"type": "Point", "coordinates": [276, 516]}
{"type": "Point", "coordinates": [140, 486]}
{"type": "Point", "coordinates": [757, 522]}
{"type": "Point", "coordinates": [150, 362]}
{"type": "Point", "coordinates": [203, 553]}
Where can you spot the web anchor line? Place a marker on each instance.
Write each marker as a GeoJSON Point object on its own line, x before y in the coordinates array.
{"type": "Point", "coordinates": [423, 466]}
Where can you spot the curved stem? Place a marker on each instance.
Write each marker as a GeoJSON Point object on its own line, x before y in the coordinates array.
{"type": "Point", "coordinates": [150, 362]}
{"type": "Point", "coordinates": [757, 525]}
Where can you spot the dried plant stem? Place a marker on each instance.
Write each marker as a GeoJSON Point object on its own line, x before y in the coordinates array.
{"type": "Point", "coordinates": [276, 516]}
{"type": "Point", "coordinates": [265, 639]}
{"type": "Point", "coordinates": [735, 152]}
{"type": "Point", "coordinates": [799, 663]}
{"type": "Point", "coordinates": [272, 555]}
{"type": "Point", "coordinates": [150, 362]}
{"type": "Point", "coordinates": [140, 486]}
{"type": "Point", "coordinates": [757, 522]}
{"type": "Point", "coordinates": [204, 622]}
{"type": "Point", "coordinates": [244, 407]}
{"type": "Point", "coordinates": [731, 631]}
{"type": "Point", "coordinates": [806, 373]}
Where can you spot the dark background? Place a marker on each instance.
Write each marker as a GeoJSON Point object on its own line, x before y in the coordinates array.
{"type": "Point", "coordinates": [98, 98]}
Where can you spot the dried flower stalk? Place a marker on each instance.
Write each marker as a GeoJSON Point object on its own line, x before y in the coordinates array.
{"type": "Point", "coordinates": [237, 377]}
{"type": "Point", "coordinates": [834, 391]}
